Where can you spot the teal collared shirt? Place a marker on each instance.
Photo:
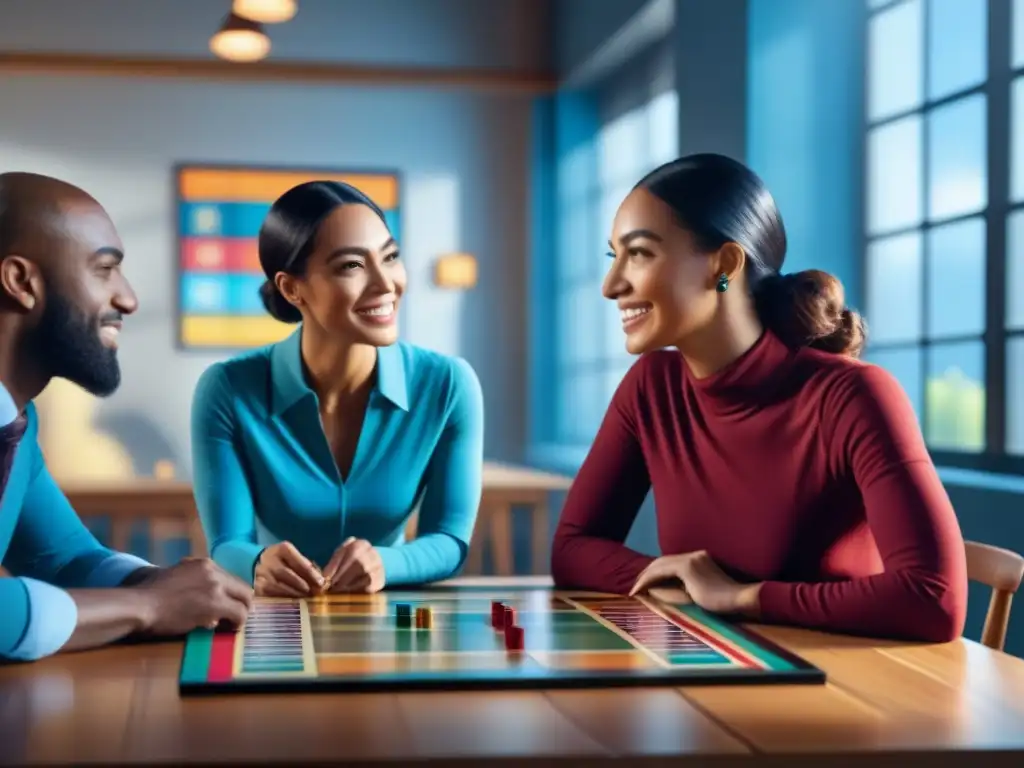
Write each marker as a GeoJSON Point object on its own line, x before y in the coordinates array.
{"type": "Point", "coordinates": [263, 471]}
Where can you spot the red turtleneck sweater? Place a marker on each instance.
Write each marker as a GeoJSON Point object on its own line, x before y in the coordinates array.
{"type": "Point", "coordinates": [799, 469]}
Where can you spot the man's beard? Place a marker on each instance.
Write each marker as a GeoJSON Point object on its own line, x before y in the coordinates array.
{"type": "Point", "coordinates": [67, 344]}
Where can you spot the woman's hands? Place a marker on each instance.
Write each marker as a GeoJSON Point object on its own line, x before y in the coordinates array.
{"type": "Point", "coordinates": [355, 566]}
{"type": "Point", "coordinates": [282, 571]}
{"type": "Point", "coordinates": [706, 584]}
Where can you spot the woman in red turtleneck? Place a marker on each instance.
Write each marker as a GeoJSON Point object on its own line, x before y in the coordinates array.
{"type": "Point", "coordinates": [791, 481]}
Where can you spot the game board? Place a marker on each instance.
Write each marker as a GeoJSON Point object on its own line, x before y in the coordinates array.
{"type": "Point", "coordinates": [567, 639]}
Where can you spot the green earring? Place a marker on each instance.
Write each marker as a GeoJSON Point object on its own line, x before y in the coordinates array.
{"type": "Point", "coordinates": [723, 283]}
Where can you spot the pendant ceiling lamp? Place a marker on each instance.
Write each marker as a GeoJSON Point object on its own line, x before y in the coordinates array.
{"type": "Point", "coordinates": [265, 11]}
{"type": "Point", "coordinates": [240, 39]}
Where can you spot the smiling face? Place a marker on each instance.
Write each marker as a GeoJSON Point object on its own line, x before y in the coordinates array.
{"type": "Point", "coordinates": [85, 297]}
{"type": "Point", "coordinates": [353, 282]}
{"type": "Point", "coordinates": [663, 284]}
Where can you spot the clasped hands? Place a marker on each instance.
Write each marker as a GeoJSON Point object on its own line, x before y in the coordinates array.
{"type": "Point", "coordinates": [283, 571]}
{"type": "Point", "coordinates": [706, 584]}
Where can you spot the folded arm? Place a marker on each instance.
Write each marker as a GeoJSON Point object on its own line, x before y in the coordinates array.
{"type": "Point", "coordinates": [451, 499]}
{"type": "Point", "coordinates": [922, 593]}
{"type": "Point", "coordinates": [59, 594]}
{"type": "Point", "coordinates": [223, 496]}
{"type": "Point", "coordinates": [588, 550]}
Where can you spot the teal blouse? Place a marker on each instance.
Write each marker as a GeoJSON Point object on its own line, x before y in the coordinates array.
{"type": "Point", "coordinates": [263, 471]}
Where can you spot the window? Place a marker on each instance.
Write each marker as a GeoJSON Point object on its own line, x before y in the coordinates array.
{"type": "Point", "coordinates": [944, 219]}
{"type": "Point", "coordinates": [1015, 248]}
{"type": "Point", "coordinates": [592, 179]}
{"type": "Point", "coordinates": [1018, 34]}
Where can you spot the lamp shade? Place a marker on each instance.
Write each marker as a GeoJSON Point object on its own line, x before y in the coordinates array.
{"type": "Point", "coordinates": [240, 39]}
{"type": "Point", "coordinates": [265, 11]}
{"type": "Point", "coordinates": [455, 270]}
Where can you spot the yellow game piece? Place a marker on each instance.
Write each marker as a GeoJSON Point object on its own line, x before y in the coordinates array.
{"type": "Point", "coordinates": [424, 618]}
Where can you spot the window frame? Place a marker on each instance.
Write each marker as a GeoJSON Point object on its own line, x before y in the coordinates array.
{"type": "Point", "coordinates": [610, 360]}
{"type": "Point", "coordinates": [579, 117]}
{"type": "Point", "coordinates": [997, 90]}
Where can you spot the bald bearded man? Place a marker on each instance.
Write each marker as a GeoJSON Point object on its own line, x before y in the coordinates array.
{"type": "Point", "coordinates": [63, 298]}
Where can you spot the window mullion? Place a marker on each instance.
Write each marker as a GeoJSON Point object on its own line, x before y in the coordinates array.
{"type": "Point", "coordinates": [922, 359]}
{"type": "Point", "coordinates": [998, 139]}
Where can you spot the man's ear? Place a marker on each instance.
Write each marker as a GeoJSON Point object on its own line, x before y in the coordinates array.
{"type": "Point", "coordinates": [21, 282]}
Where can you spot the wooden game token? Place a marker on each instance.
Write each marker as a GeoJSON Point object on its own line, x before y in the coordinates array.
{"type": "Point", "coordinates": [514, 638]}
{"type": "Point", "coordinates": [403, 615]}
{"type": "Point", "coordinates": [325, 584]}
{"type": "Point", "coordinates": [509, 617]}
{"type": "Point", "coordinates": [424, 618]}
{"type": "Point", "coordinates": [497, 613]}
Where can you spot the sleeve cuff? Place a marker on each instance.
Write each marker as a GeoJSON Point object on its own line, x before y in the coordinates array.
{"type": "Point", "coordinates": [428, 558]}
{"type": "Point", "coordinates": [774, 602]}
{"type": "Point", "coordinates": [53, 616]}
{"type": "Point", "coordinates": [238, 558]}
{"type": "Point", "coordinates": [395, 565]}
{"type": "Point", "coordinates": [114, 570]}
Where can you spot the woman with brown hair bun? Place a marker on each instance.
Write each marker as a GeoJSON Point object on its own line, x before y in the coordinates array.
{"type": "Point", "coordinates": [791, 481]}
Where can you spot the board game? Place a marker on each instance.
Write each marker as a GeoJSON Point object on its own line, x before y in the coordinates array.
{"type": "Point", "coordinates": [479, 638]}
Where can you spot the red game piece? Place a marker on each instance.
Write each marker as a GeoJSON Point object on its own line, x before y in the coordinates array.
{"type": "Point", "coordinates": [514, 638]}
{"type": "Point", "coordinates": [509, 618]}
{"type": "Point", "coordinates": [497, 614]}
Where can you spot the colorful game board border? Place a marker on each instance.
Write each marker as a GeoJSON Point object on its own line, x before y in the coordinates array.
{"type": "Point", "coordinates": [211, 661]}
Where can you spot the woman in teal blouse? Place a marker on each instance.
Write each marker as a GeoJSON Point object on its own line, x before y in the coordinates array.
{"type": "Point", "coordinates": [317, 449]}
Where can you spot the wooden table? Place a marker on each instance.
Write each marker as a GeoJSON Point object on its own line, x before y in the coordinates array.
{"type": "Point", "coordinates": [886, 704]}
{"type": "Point", "coordinates": [506, 486]}
{"type": "Point", "coordinates": [168, 506]}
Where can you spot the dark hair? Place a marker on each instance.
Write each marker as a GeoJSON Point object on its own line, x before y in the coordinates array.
{"type": "Point", "coordinates": [720, 200]}
{"type": "Point", "coordinates": [289, 232]}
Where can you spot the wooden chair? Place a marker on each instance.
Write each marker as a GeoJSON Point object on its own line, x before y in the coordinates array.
{"type": "Point", "coordinates": [1003, 571]}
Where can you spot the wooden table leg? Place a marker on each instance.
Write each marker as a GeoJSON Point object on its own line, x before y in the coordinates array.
{"type": "Point", "coordinates": [475, 558]}
{"type": "Point", "coordinates": [539, 524]}
{"type": "Point", "coordinates": [500, 521]}
{"type": "Point", "coordinates": [120, 533]}
{"type": "Point", "coordinates": [160, 532]}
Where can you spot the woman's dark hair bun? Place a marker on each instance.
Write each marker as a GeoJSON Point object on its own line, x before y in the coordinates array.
{"type": "Point", "coordinates": [288, 235]}
{"type": "Point", "coordinates": [808, 309]}
{"type": "Point", "coordinates": [277, 305]}
{"type": "Point", "coordinates": [720, 200]}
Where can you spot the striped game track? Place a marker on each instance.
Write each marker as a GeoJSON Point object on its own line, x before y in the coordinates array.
{"type": "Point", "coordinates": [273, 639]}
{"type": "Point", "coordinates": [655, 632]}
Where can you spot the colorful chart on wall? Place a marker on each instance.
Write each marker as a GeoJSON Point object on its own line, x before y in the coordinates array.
{"type": "Point", "coordinates": [220, 211]}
